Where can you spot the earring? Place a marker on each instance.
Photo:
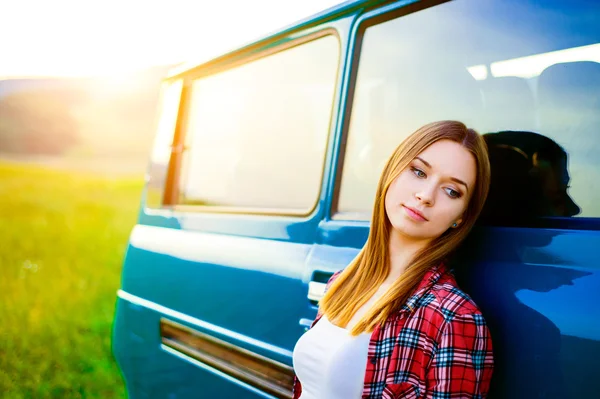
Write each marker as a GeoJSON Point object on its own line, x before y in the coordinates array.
{"type": "Point", "coordinates": [454, 225]}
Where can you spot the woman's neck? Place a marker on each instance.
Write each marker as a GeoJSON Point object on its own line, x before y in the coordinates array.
{"type": "Point", "coordinates": [402, 250]}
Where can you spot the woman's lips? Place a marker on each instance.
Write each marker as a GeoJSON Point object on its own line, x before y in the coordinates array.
{"type": "Point", "coordinates": [414, 214]}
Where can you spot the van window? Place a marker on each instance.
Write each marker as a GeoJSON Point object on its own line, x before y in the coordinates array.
{"type": "Point", "coordinates": [163, 141]}
{"type": "Point", "coordinates": [515, 71]}
{"type": "Point", "coordinates": [257, 133]}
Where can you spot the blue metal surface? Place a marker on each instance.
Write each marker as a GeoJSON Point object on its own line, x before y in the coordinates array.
{"type": "Point", "coordinates": [539, 290]}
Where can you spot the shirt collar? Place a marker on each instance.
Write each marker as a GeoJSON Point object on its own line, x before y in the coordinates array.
{"type": "Point", "coordinates": [431, 277]}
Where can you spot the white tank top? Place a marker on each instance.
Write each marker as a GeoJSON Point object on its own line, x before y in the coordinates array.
{"type": "Point", "coordinates": [330, 363]}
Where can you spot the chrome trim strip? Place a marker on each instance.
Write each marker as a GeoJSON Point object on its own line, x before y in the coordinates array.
{"type": "Point", "coordinates": [264, 373]}
{"type": "Point", "coordinates": [214, 371]}
{"type": "Point", "coordinates": [202, 324]}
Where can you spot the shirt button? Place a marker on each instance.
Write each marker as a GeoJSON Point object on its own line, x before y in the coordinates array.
{"type": "Point", "coordinates": [373, 360]}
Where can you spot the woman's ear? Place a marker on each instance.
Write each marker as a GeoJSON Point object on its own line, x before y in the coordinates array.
{"type": "Point", "coordinates": [457, 223]}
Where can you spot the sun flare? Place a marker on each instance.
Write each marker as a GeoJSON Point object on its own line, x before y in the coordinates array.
{"type": "Point", "coordinates": [70, 38]}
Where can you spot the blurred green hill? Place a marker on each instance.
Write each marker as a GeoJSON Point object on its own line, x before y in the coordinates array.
{"type": "Point", "coordinates": [87, 117]}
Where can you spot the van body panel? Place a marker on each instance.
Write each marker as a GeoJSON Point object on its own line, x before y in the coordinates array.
{"type": "Point", "coordinates": [151, 370]}
{"type": "Point", "coordinates": [538, 291]}
{"type": "Point", "coordinates": [232, 282]}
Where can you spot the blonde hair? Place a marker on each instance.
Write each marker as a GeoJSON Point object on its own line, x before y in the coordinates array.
{"type": "Point", "coordinates": [361, 279]}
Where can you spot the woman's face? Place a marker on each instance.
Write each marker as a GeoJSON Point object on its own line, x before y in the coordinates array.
{"type": "Point", "coordinates": [433, 192]}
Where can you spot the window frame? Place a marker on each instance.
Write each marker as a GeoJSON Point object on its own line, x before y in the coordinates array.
{"type": "Point", "coordinates": [243, 57]}
{"type": "Point", "coordinates": [368, 19]}
{"type": "Point", "coordinates": [373, 18]}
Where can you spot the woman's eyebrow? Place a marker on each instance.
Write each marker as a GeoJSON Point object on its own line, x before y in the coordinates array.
{"type": "Point", "coordinates": [460, 182]}
{"type": "Point", "coordinates": [424, 161]}
{"type": "Point", "coordinates": [454, 179]}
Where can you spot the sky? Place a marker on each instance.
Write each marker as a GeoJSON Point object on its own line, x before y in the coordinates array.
{"type": "Point", "coordinates": [90, 37]}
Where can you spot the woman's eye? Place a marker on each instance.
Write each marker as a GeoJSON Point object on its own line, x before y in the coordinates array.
{"type": "Point", "coordinates": [453, 193]}
{"type": "Point", "coordinates": [418, 172]}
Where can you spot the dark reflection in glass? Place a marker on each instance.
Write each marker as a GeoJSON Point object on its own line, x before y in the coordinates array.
{"type": "Point", "coordinates": [569, 103]}
{"type": "Point", "coordinates": [529, 179]}
{"type": "Point", "coordinates": [569, 111]}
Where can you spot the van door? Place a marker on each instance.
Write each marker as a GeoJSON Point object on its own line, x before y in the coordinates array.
{"type": "Point", "coordinates": [213, 282]}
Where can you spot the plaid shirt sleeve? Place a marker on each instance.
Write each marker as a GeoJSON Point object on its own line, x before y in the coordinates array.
{"type": "Point", "coordinates": [463, 361]}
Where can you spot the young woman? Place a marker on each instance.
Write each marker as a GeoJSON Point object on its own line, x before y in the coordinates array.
{"type": "Point", "coordinates": [394, 324]}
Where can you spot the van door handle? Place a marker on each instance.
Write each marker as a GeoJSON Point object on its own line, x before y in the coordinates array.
{"type": "Point", "coordinates": [305, 323]}
{"type": "Point", "coordinates": [316, 291]}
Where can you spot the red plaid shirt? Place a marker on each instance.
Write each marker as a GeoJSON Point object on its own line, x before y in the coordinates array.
{"type": "Point", "coordinates": [436, 347]}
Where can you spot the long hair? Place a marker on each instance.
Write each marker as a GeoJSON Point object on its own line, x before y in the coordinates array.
{"type": "Point", "coordinates": [361, 279]}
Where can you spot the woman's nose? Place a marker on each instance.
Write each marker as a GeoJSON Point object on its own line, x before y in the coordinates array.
{"type": "Point", "coordinates": [425, 196]}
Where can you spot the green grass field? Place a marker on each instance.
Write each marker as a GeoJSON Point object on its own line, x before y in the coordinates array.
{"type": "Point", "coordinates": [62, 240]}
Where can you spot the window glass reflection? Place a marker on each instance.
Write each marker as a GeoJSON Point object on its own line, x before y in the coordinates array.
{"type": "Point", "coordinates": [525, 73]}
{"type": "Point", "coordinates": [257, 133]}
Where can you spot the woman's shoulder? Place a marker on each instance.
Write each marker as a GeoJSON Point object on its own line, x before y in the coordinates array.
{"type": "Point", "coordinates": [444, 308]}
{"type": "Point", "coordinates": [451, 300]}
{"type": "Point", "coordinates": [443, 301]}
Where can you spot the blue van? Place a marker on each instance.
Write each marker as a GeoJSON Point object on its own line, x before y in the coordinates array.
{"type": "Point", "coordinates": [263, 175]}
